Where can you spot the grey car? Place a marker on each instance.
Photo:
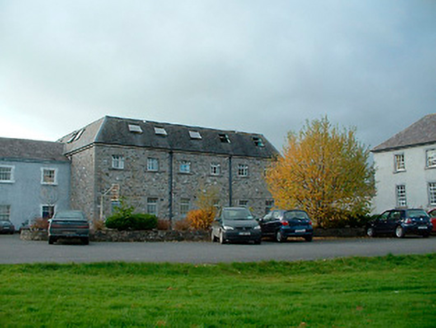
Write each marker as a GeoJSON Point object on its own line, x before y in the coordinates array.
{"type": "Point", "coordinates": [68, 225]}
{"type": "Point", "coordinates": [235, 224]}
{"type": "Point", "coordinates": [6, 227]}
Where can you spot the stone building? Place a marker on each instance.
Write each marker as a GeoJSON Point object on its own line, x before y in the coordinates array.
{"type": "Point", "coordinates": [406, 168]}
{"type": "Point", "coordinates": [160, 168]}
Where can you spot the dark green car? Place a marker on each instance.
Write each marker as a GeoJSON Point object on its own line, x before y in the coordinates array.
{"type": "Point", "coordinates": [68, 225]}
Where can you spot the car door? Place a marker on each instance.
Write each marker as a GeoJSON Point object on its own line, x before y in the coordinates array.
{"type": "Point", "coordinates": [269, 222]}
{"type": "Point", "coordinates": [392, 222]}
{"type": "Point", "coordinates": [381, 223]}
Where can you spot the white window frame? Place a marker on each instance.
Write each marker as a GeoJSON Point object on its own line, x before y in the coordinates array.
{"type": "Point", "coordinates": [43, 176]}
{"type": "Point", "coordinates": [5, 212]}
{"type": "Point", "coordinates": [118, 162]}
{"type": "Point", "coordinates": [432, 193]}
{"type": "Point", "coordinates": [47, 205]}
{"type": "Point", "coordinates": [430, 160]}
{"type": "Point", "coordinates": [401, 195]}
{"type": "Point", "coordinates": [152, 164]}
{"type": "Point", "coordinates": [185, 205]}
{"type": "Point", "coordinates": [152, 205]}
{"type": "Point", "coordinates": [215, 169]}
{"type": "Point", "coordinates": [399, 163]}
{"type": "Point", "coordinates": [11, 173]}
{"type": "Point", "coordinates": [185, 167]}
{"type": "Point", "coordinates": [242, 170]}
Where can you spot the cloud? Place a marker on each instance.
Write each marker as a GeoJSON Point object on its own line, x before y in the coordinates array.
{"type": "Point", "coordinates": [254, 66]}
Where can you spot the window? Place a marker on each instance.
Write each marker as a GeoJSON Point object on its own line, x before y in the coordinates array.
{"type": "Point", "coordinates": [242, 170]}
{"type": "Point", "coordinates": [431, 158]}
{"type": "Point", "coordinates": [195, 135]}
{"type": "Point", "coordinates": [224, 138]}
{"type": "Point", "coordinates": [152, 206]}
{"type": "Point", "coordinates": [160, 131]}
{"type": "Point", "coordinates": [152, 164]}
{"type": "Point", "coordinates": [76, 136]}
{"type": "Point", "coordinates": [6, 174]}
{"type": "Point", "coordinates": [135, 128]}
{"type": "Point", "coordinates": [185, 167]}
{"type": "Point", "coordinates": [243, 203]}
{"type": "Point", "coordinates": [184, 206]}
{"type": "Point", "coordinates": [269, 204]}
{"type": "Point", "coordinates": [48, 176]}
{"type": "Point", "coordinates": [400, 165]}
{"type": "Point", "coordinates": [215, 169]}
{"type": "Point", "coordinates": [48, 211]}
{"type": "Point", "coordinates": [401, 196]}
{"type": "Point", "coordinates": [258, 142]}
{"type": "Point", "coordinates": [432, 193]}
{"type": "Point", "coordinates": [117, 162]}
{"type": "Point", "coordinates": [5, 212]}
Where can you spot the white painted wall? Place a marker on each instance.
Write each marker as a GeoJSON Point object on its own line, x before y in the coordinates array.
{"type": "Point", "coordinates": [416, 178]}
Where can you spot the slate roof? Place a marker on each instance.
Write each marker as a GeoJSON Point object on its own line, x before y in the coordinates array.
{"type": "Point", "coordinates": [23, 149]}
{"type": "Point", "coordinates": [116, 131]}
{"type": "Point", "coordinates": [420, 133]}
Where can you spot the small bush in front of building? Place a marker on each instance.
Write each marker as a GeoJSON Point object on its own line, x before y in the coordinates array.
{"type": "Point", "coordinates": [137, 221]}
{"type": "Point", "coordinates": [182, 225]}
{"type": "Point", "coordinates": [201, 219]}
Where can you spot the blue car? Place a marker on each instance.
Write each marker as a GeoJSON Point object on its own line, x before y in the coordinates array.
{"type": "Point", "coordinates": [282, 224]}
{"type": "Point", "coordinates": [401, 222]}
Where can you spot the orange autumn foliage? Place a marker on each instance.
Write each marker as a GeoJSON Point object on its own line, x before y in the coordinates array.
{"type": "Point", "coordinates": [324, 171]}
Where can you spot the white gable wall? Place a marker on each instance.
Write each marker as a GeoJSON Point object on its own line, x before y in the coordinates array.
{"type": "Point", "coordinates": [415, 177]}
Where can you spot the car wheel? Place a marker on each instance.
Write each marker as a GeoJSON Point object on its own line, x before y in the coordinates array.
{"type": "Point", "coordinates": [426, 235]}
{"type": "Point", "coordinates": [308, 238]}
{"type": "Point", "coordinates": [85, 241]}
{"type": "Point", "coordinates": [258, 241]}
{"type": "Point", "coordinates": [51, 240]}
{"type": "Point", "coordinates": [399, 232]}
{"type": "Point", "coordinates": [222, 240]}
{"type": "Point", "coordinates": [370, 232]}
{"type": "Point", "coordinates": [279, 237]}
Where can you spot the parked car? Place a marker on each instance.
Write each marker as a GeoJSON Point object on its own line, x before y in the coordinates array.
{"type": "Point", "coordinates": [432, 214]}
{"type": "Point", "coordinates": [68, 224]}
{"type": "Point", "coordinates": [235, 224]}
{"type": "Point", "coordinates": [400, 222]}
{"type": "Point", "coordinates": [6, 226]}
{"type": "Point", "coordinates": [281, 224]}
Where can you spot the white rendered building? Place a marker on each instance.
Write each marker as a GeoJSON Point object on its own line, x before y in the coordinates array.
{"type": "Point", "coordinates": [406, 168]}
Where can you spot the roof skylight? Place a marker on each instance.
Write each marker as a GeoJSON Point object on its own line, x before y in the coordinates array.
{"type": "Point", "coordinates": [224, 138]}
{"type": "Point", "coordinates": [135, 128]}
{"type": "Point", "coordinates": [160, 131]}
{"type": "Point", "coordinates": [195, 135]}
{"type": "Point", "coordinates": [258, 142]}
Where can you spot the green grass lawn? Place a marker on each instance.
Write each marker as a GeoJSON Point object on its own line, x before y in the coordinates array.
{"type": "Point", "coordinates": [392, 291]}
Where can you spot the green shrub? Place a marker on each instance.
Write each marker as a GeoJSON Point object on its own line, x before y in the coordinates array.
{"type": "Point", "coordinates": [137, 221]}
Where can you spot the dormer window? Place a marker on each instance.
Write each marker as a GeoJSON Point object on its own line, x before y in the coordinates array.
{"type": "Point", "coordinates": [195, 135]}
{"type": "Point", "coordinates": [258, 142]}
{"type": "Point", "coordinates": [134, 128]}
{"type": "Point", "coordinates": [224, 138]}
{"type": "Point", "coordinates": [160, 131]}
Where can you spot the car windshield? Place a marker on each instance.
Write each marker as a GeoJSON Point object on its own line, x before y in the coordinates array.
{"type": "Point", "coordinates": [292, 215]}
{"type": "Point", "coordinates": [416, 214]}
{"type": "Point", "coordinates": [237, 214]}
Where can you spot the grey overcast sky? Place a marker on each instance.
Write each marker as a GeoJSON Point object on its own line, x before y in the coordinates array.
{"type": "Point", "coordinates": [263, 66]}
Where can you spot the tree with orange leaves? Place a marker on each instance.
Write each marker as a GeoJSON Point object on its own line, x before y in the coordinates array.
{"type": "Point", "coordinates": [325, 171]}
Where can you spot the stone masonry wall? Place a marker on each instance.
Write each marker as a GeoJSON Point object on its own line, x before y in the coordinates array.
{"type": "Point", "coordinates": [138, 184]}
